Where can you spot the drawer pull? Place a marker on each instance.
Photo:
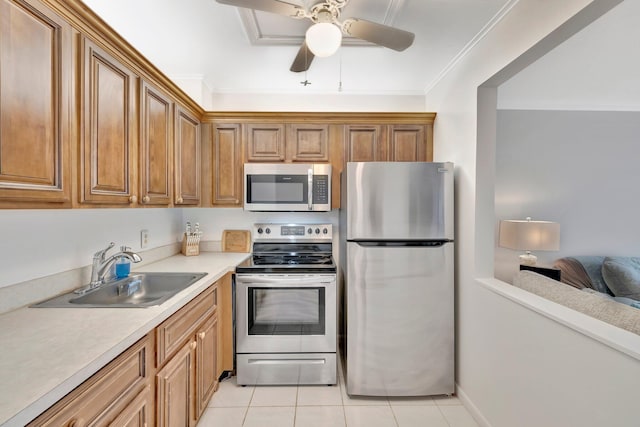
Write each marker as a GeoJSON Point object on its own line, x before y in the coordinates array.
{"type": "Point", "coordinates": [287, 361]}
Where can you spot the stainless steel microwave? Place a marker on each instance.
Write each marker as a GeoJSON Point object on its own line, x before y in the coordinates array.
{"type": "Point", "coordinates": [287, 187]}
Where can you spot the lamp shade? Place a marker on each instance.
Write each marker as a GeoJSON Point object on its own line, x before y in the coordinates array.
{"type": "Point", "coordinates": [323, 39]}
{"type": "Point", "coordinates": [530, 235]}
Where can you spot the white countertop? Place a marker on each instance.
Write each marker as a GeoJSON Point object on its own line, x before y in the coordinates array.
{"type": "Point", "coordinates": [47, 352]}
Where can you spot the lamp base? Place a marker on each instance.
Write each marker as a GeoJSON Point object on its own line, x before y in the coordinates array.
{"type": "Point", "coordinates": [528, 259]}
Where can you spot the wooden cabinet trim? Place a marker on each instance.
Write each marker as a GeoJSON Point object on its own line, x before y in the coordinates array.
{"type": "Point", "coordinates": [318, 117]}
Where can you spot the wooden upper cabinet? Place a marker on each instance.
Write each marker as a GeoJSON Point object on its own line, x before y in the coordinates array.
{"type": "Point", "coordinates": [227, 173]}
{"type": "Point", "coordinates": [187, 158]}
{"type": "Point", "coordinates": [156, 142]}
{"type": "Point", "coordinates": [364, 143]}
{"type": "Point", "coordinates": [407, 143]}
{"type": "Point", "coordinates": [35, 89]}
{"type": "Point", "coordinates": [307, 143]}
{"type": "Point", "coordinates": [108, 128]}
{"type": "Point", "coordinates": [265, 142]}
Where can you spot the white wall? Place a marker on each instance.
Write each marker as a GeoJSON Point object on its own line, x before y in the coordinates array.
{"type": "Point", "coordinates": [516, 366]}
{"type": "Point", "coordinates": [578, 168]}
{"type": "Point", "coordinates": [317, 102]}
{"type": "Point", "coordinates": [38, 243]}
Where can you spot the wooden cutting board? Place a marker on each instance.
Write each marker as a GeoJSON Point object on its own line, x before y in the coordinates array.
{"type": "Point", "coordinates": [236, 241]}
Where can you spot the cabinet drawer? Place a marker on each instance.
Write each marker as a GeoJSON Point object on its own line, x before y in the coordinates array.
{"type": "Point", "coordinates": [100, 399]}
{"type": "Point", "coordinates": [180, 327]}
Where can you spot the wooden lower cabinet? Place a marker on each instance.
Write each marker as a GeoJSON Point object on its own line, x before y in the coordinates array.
{"type": "Point", "coordinates": [207, 339]}
{"type": "Point", "coordinates": [165, 379]}
{"type": "Point", "coordinates": [175, 389]}
{"type": "Point", "coordinates": [139, 412]}
{"type": "Point", "coordinates": [118, 391]}
{"type": "Point", "coordinates": [189, 376]}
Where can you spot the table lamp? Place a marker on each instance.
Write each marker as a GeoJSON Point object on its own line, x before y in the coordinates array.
{"type": "Point", "coordinates": [528, 235]}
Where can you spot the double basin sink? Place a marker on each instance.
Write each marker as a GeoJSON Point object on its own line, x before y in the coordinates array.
{"type": "Point", "coordinates": [137, 290]}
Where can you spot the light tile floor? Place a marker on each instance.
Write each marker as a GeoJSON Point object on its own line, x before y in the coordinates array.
{"type": "Point", "coordinates": [324, 406]}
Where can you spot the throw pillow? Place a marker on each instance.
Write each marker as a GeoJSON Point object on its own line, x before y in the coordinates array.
{"type": "Point", "coordinates": [622, 275]}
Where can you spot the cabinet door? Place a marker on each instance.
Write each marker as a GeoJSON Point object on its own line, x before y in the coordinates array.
{"type": "Point", "coordinates": [187, 161]}
{"type": "Point", "coordinates": [407, 143]}
{"type": "Point", "coordinates": [156, 125]}
{"type": "Point", "coordinates": [35, 85]}
{"type": "Point", "coordinates": [307, 143]}
{"type": "Point", "coordinates": [265, 142]}
{"type": "Point", "coordinates": [206, 363]}
{"type": "Point", "coordinates": [175, 389]}
{"type": "Point", "coordinates": [108, 97]}
{"type": "Point", "coordinates": [138, 413]}
{"type": "Point", "coordinates": [364, 143]}
{"type": "Point", "coordinates": [227, 165]}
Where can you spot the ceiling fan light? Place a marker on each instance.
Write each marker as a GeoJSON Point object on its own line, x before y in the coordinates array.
{"type": "Point", "coordinates": [323, 39]}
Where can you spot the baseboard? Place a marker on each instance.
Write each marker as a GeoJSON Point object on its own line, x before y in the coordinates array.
{"type": "Point", "coordinates": [473, 409]}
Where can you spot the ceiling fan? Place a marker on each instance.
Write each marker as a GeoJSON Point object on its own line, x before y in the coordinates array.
{"type": "Point", "coordinates": [325, 36]}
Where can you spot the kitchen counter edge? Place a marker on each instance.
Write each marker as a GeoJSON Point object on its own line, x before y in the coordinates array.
{"type": "Point", "coordinates": [69, 345]}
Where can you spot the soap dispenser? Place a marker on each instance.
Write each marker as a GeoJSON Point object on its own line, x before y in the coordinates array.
{"type": "Point", "coordinates": [123, 265]}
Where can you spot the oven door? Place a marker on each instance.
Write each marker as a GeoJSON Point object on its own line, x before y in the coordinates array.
{"type": "Point", "coordinates": [286, 313]}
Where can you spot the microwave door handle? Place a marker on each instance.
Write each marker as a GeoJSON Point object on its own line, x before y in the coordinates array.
{"type": "Point", "coordinates": [310, 188]}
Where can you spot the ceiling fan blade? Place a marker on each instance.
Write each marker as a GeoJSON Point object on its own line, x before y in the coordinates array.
{"type": "Point", "coordinates": [303, 59]}
{"type": "Point", "coordinates": [383, 35]}
{"type": "Point", "coordinates": [273, 6]}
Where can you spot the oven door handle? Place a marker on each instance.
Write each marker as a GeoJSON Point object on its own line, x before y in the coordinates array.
{"type": "Point", "coordinates": [285, 280]}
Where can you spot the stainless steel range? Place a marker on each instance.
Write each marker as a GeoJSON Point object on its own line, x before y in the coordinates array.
{"type": "Point", "coordinates": [286, 307]}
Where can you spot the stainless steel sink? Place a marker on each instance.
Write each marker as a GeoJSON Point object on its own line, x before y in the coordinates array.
{"type": "Point", "coordinates": [137, 290]}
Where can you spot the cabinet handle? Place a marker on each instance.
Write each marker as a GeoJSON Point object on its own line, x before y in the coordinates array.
{"type": "Point", "coordinates": [201, 335]}
{"type": "Point", "coordinates": [194, 345]}
{"type": "Point", "coordinates": [76, 422]}
{"type": "Point", "coordinates": [133, 199]}
{"type": "Point", "coordinates": [179, 200]}
{"type": "Point", "coordinates": [146, 199]}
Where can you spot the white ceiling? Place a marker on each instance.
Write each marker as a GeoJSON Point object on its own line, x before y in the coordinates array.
{"type": "Point", "coordinates": [204, 39]}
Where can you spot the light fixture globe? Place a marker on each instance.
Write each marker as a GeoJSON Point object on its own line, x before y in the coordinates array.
{"type": "Point", "coordinates": [323, 39]}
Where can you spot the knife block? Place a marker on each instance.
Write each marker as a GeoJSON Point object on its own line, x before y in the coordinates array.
{"type": "Point", "coordinates": [190, 244]}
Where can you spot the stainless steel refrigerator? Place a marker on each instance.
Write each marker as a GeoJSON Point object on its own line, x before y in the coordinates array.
{"type": "Point", "coordinates": [396, 228]}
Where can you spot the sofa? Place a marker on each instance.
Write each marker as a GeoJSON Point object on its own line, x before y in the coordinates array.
{"type": "Point", "coordinates": [600, 305]}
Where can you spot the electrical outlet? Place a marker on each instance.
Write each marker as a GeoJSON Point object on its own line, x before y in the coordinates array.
{"type": "Point", "coordinates": [144, 238]}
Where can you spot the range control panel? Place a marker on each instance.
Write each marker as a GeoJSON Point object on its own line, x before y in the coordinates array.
{"type": "Point", "coordinates": [296, 232]}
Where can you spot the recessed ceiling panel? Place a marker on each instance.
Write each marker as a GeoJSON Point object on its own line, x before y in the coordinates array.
{"type": "Point", "coordinates": [270, 29]}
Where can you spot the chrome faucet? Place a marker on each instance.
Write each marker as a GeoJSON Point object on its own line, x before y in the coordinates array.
{"type": "Point", "coordinates": [101, 265]}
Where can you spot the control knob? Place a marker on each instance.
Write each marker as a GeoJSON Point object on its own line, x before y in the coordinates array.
{"type": "Point", "coordinates": [309, 231]}
{"type": "Point", "coordinates": [260, 230]}
{"type": "Point", "coordinates": [325, 231]}
{"type": "Point", "coordinates": [317, 231]}
{"type": "Point", "coordinates": [267, 230]}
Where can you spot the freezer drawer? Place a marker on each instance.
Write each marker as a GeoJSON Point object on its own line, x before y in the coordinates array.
{"type": "Point", "coordinates": [287, 369]}
{"type": "Point", "coordinates": [400, 323]}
